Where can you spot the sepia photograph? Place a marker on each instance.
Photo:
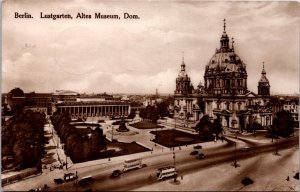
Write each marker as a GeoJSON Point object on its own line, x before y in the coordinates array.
{"type": "Point", "coordinates": [141, 95]}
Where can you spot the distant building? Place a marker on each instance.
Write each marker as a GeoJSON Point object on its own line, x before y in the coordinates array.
{"type": "Point", "coordinates": [94, 97]}
{"type": "Point", "coordinates": [39, 102]}
{"type": "Point", "coordinates": [63, 95]}
{"type": "Point", "coordinates": [224, 94]}
{"type": "Point", "coordinates": [16, 98]}
{"type": "Point", "coordinates": [287, 103]}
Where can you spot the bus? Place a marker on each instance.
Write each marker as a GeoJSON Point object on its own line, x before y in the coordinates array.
{"type": "Point", "coordinates": [132, 164]}
{"type": "Point", "coordinates": [165, 172]}
{"type": "Point", "coordinates": [70, 177]}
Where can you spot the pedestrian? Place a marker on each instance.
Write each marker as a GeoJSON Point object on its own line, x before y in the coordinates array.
{"type": "Point", "coordinates": [288, 178]}
{"type": "Point", "coordinates": [181, 177]}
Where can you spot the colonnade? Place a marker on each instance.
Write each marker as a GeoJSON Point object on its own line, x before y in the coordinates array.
{"type": "Point", "coordinates": [96, 110]}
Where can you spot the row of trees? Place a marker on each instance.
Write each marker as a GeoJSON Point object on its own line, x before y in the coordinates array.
{"type": "Point", "coordinates": [152, 112]}
{"type": "Point", "coordinates": [23, 138]}
{"type": "Point", "coordinates": [78, 147]}
{"type": "Point", "coordinates": [283, 125]}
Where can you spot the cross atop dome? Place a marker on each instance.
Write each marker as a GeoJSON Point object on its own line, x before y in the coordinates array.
{"type": "Point", "coordinates": [224, 40]}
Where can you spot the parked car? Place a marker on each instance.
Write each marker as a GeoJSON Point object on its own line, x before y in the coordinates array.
{"type": "Point", "coordinates": [116, 173]}
{"type": "Point", "coordinates": [200, 156]}
{"type": "Point", "coordinates": [194, 153]}
{"type": "Point", "coordinates": [58, 181]}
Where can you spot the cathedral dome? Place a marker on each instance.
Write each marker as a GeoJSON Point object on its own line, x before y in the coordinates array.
{"type": "Point", "coordinates": [225, 62]}
{"type": "Point", "coordinates": [225, 73]}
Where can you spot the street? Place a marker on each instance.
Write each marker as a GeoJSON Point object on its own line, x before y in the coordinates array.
{"type": "Point", "coordinates": [185, 164]}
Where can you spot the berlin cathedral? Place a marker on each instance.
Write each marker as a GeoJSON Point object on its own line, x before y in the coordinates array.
{"type": "Point", "coordinates": [224, 94]}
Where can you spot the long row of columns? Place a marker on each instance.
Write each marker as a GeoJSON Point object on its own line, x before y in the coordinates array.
{"type": "Point", "coordinates": [104, 110]}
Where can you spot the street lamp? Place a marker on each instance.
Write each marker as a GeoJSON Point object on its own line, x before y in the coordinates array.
{"type": "Point", "coordinates": [112, 133]}
{"type": "Point", "coordinates": [174, 158]}
{"type": "Point", "coordinates": [276, 147]}
{"type": "Point", "coordinates": [235, 158]}
{"type": "Point", "coordinates": [235, 162]}
{"type": "Point", "coordinates": [175, 176]}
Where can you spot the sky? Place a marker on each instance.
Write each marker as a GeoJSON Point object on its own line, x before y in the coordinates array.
{"type": "Point", "coordinates": [142, 55]}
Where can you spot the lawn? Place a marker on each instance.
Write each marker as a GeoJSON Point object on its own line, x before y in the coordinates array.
{"type": "Point", "coordinates": [125, 148]}
{"type": "Point", "coordinates": [174, 138]}
{"type": "Point", "coordinates": [146, 125]}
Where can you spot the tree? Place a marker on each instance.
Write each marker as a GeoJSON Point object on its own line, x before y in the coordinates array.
{"type": "Point", "coordinates": [71, 142]}
{"type": "Point", "coordinates": [217, 127]}
{"type": "Point", "coordinates": [204, 127]}
{"type": "Point", "coordinates": [162, 109]}
{"type": "Point", "coordinates": [283, 123]}
{"type": "Point", "coordinates": [132, 114]}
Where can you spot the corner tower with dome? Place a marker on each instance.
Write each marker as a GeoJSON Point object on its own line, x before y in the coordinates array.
{"type": "Point", "coordinates": [224, 94]}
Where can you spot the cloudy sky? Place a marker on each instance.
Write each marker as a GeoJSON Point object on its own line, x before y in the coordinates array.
{"type": "Point", "coordinates": [138, 56]}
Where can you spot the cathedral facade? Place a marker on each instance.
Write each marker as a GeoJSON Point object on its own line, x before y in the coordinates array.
{"type": "Point", "coordinates": [224, 94]}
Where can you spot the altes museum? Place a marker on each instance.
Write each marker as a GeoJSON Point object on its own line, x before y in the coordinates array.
{"type": "Point", "coordinates": [224, 94]}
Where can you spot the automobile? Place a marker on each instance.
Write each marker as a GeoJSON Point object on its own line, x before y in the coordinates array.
{"type": "Point", "coordinates": [58, 181]}
{"type": "Point", "coordinates": [247, 181]}
{"type": "Point", "coordinates": [198, 147]}
{"type": "Point", "coordinates": [86, 180]}
{"type": "Point", "coordinates": [200, 156]}
{"type": "Point", "coordinates": [194, 153]}
{"type": "Point", "coordinates": [116, 173]}
{"type": "Point", "coordinates": [246, 149]}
